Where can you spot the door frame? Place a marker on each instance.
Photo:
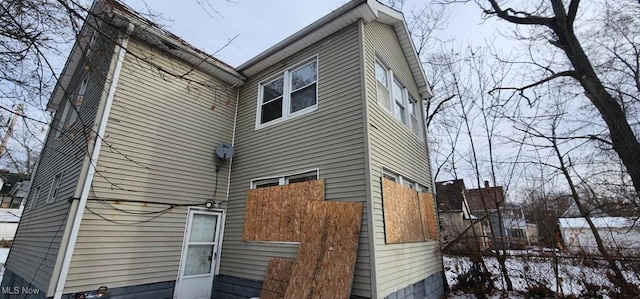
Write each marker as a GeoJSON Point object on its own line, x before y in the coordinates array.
{"type": "Point", "coordinates": [215, 265]}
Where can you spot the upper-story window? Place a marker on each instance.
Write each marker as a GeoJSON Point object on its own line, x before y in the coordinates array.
{"type": "Point", "coordinates": [72, 106]}
{"type": "Point", "coordinates": [292, 93]}
{"type": "Point", "coordinates": [34, 199]}
{"type": "Point", "coordinates": [395, 98]}
{"type": "Point", "coordinates": [382, 83]}
{"type": "Point", "coordinates": [55, 187]}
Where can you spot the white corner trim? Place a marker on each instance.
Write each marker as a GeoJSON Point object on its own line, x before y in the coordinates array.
{"type": "Point", "coordinates": [92, 168]}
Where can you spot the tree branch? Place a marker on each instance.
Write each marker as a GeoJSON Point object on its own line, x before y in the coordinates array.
{"type": "Point", "coordinates": [571, 74]}
{"type": "Point", "coordinates": [528, 19]}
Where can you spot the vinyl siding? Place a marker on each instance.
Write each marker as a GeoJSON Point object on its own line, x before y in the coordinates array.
{"type": "Point", "coordinates": [330, 138]}
{"type": "Point", "coordinates": [158, 147]}
{"type": "Point", "coordinates": [394, 146]}
{"type": "Point", "coordinates": [37, 242]}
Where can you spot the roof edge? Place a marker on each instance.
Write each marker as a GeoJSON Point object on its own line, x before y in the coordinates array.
{"type": "Point", "coordinates": [303, 32]}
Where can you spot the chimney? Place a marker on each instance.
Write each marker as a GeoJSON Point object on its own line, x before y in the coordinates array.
{"type": "Point", "coordinates": [486, 184]}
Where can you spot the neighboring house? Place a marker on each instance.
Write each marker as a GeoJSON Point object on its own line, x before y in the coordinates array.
{"type": "Point", "coordinates": [13, 190]}
{"type": "Point", "coordinates": [146, 210]}
{"type": "Point", "coordinates": [455, 218]}
{"type": "Point", "coordinates": [621, 235]}
{"type": "Point", "coordinates": [510, 228]}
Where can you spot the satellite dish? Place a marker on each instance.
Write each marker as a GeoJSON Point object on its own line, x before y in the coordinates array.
{"type": "Point", "coordinates": [224, 151]}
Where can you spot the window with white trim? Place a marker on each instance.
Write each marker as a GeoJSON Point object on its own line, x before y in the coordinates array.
{"type": "Point", "coordinates": [284, 180]}
{"type": "Point", "coordinates": [400, 179]}
{"type": "Point", "coordinates": [34, 198]}
{"type": "Point", "coordinates": [395, 98]}
{"type": "Point", "coordinates": [72, 106]}
{"type": "Point", "coordinates": [293, 93]}
{"type": "Point", "coordinates": [55, 187]}
{"type": "Point", "coordinates": [414, 116]}
{"type": "Point", "coordinates": [399, 102]}
{"type": "Point", "coordinates": [91, 43]}
{"type": "Point", "coordinates": [77, 103]}
{"type": "Point", "coordinates": [382, 85]}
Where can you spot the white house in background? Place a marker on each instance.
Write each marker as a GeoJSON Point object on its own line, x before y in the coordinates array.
{"type": "Point", "coordinates": [13, 190]}
{"type": "Point", "coordinates": [620, 234]}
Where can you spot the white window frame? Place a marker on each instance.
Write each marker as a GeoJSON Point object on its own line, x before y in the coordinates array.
{"type": "Point", "coordinates": [55, 188]}
{"type": "Point", "coordinates": [64, 123]}
{"type": "Point", "coordinates": [91, 43]}
{"type": "Point", "coordinates": [406, 100]}
{"type": "Point", "coordinates": [385, 85]}
{"type": "Point", "coordinates": [59, 126]}
{"type": "Point", "coordinates": [34, 198]}
{"type": "Point", "coordinates": [414, 116]}
{"type": "Point", "coordinates": [77, 103]}
{"type": "Point", "coordinates": [403, 180]}
{"type": "Point", "coordinates": [401, 102]}
{"type": "Point", "coordinates": [284, 179]}
{"type": "Point", "coordinates": [286, 93]}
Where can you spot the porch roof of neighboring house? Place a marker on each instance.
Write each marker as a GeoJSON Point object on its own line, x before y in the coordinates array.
{"type": "Point", "coordinates": [492, 197]}
{"type": "Point", "coordinates": [367, 10]}
{"type": "Point", "coordinates": [151, 33]}
{"type": "Point", "coordinates": [8, 217]}
{"type": "Point", "coordinates": [450, 195]}
{"type": "Point", "coordinates": [9, 180]}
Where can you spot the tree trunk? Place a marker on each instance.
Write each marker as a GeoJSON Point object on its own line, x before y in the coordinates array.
{"type": "Point", "coordinates": [623, 138]}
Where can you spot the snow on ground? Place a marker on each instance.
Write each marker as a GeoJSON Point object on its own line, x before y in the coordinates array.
{"type": "Point", "coordinates": [529, 271]}
{"type": "Point", "coordinates": [4, 253]}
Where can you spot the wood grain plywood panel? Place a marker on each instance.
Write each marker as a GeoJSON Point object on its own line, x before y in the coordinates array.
{"type": "Point", "coordinates": [328, 250]}
{"type": "Point", "coordinates": [276, 278]}
{"type": "Point", "coordinates": [428, 216]}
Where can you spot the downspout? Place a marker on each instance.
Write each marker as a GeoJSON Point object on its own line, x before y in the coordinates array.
{"type": "Point", "coordinates": [224, 212]}
{"type": "Point", "coordinates": [77, 219]}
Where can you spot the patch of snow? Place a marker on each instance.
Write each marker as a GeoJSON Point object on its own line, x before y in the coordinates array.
{"type": "Point", "coordinates": [600, 222]}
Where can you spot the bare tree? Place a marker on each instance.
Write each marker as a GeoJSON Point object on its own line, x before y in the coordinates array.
{"type": "Point", "coordinates": [606, 69]}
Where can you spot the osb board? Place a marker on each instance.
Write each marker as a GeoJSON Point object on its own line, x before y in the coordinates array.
{"type": "Point", "coordinates": [428, 215]}
{"type": "Point", "coordinates": [251, 212]}
{"type": "Point", "coordinates": [276, 213]}
{"type": "Point", "coordinates": [401, 210]}
{"type": "Point", "coordinates": [328, 250]}
{"type": "Point", "coordinates": [276, 278]}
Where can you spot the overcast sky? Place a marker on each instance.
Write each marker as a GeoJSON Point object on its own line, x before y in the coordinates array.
{"type": "Point", "coordinates": [258, 25]}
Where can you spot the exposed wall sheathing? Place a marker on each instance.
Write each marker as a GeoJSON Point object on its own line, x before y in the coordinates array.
{"type": "Point", "coordinates": [409, 216]}
{"type": "Point", "coordinates": [276, 278]}
{"type": "Point", "coordinates": [326, 260]}
{"type": "Point", "coordinates": [276, 213]}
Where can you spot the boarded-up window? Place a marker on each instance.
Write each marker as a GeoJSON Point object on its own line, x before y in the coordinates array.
{"type": "Point", "coordinates": [276, 213]}
{"type": "Point", "coordinates": [409, 216]}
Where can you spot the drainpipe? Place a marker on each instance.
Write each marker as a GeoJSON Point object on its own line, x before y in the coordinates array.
{"type": "Point", "coordinates": [224, 211]}
{"type": "Point", "coordinates": [233, 139]}
{"type": "Point", "coordinates": [66, 262]}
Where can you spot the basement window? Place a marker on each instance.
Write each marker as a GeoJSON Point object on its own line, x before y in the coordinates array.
{"type": "Point", "coordinates": [292, 93]}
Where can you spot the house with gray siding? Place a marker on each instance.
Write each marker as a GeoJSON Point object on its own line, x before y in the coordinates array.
{"type": "Point", "coordinates": [142, 184]}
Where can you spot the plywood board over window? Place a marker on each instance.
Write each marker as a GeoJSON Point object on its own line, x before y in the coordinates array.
{"type": "Point", "coordinates": [276, 278]}
{"type": "Point", "coordinates": [327, 257]}
{"type": "Point", "coordinates": [409, 216]}
{"type": "Point", "coordinates": [277, 213]}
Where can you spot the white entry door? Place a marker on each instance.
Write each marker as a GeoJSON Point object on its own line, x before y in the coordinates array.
{"type": "Point", "coordinates": [198, 262]}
